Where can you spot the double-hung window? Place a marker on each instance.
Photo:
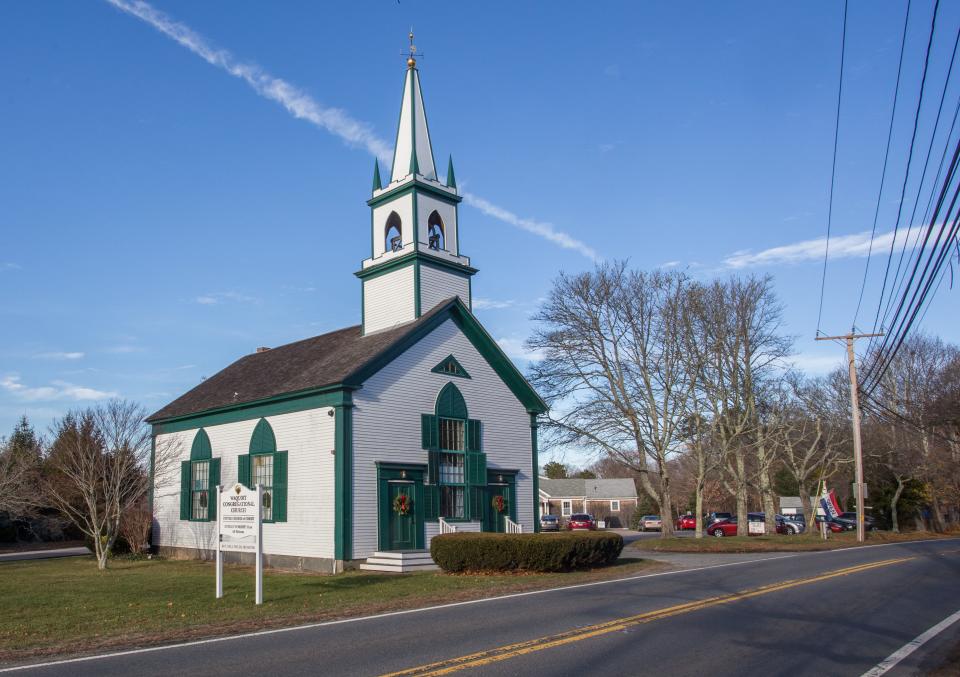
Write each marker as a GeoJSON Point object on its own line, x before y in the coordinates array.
{"type": "Point", "coordinates": [200, 490]}
{"type": "Point", "coordinates": [198, 478]}
{"type": "Point", "coordinates": [614, 506]}
{"type": "Point", "coordinates": [452, 468]}
{"type": "Point", "coordinates": [263, 475]}
{"type": "Point", "coordinates": [566, 508]}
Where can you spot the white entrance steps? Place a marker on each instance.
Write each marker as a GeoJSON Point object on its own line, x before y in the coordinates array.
{"type": "Point", "coordinates": [400, 561]}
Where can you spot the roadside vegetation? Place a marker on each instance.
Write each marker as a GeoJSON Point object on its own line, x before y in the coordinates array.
{"type": "Point", "coordinates": [805, 542]}
{"type": "Point", "coordinates": [67, 606]}
{"type": "Point", "coordinates": [689, 387]}
{"type": "Point", "coordinates": [484, 552]}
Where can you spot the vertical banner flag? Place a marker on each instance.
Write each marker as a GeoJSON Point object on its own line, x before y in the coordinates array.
{"type": "Point", "coordinates": [828, 501]}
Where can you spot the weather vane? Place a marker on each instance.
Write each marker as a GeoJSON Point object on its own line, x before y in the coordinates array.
{"type": "Point", "coordinates": [411, 61]}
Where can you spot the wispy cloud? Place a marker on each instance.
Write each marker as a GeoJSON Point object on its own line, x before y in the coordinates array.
{"type": "Point", "coordinates": [517, 349]}
{"type": "Point", "coordinates": [10, 265]}
{"type": "Point", "coordinates": [124, 349]}
{"type": "Point", "coordinates": [606, 147]}
{"type": "Point", "coordinates": [218, 297]}
{"type": "Point", "coordinates": [302, 106]}
{"type": "Point", "coordinates": [57, 355]}
{"type": "Point", "coordinates": [670, 264]}
{"type": "Point", "coordinates": [297, 102]}
{"type": "Point", "coordinates": [480, 303]}
{"type": "Point", "coordinates": [841, 247]}
{"type": "Point", "coordinates": [544, 230]}
{"type": "Point", "coordinates": [57, 390]}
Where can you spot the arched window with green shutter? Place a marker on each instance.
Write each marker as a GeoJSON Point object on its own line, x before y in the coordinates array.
{"type": "Point", "coordinates": [266, 466]}
{"type": "Point", "coordinates": [199, 478]}
{"type": "Point", "coordinates": [457, 466]}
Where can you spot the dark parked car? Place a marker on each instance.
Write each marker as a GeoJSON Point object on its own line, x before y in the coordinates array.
{"type": "Point", "coordinates": [686, 522]}
{"type": "Point", "coordinates": [837, 525]}
{"type": "Point", "coordinates": [868, 521]}
{"type": "Point", "coordinates": [581, 521]}
{"type": "Point", "coordinates": [718, 516]}
{"type": "Point", "coordinates": [549, 523]}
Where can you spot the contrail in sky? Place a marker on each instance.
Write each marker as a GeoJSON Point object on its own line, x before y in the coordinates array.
{"type": "Point", "coordinates": [334, 120]}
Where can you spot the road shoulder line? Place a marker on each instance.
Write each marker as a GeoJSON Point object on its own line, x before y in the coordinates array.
{"type": "Point", "coordinates": [897, 656]}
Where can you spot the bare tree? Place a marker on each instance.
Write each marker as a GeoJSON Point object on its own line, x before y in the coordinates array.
{"type": "Point", "coordinates": [739, 345]}
{"type": "Point", "coordinates": [812, 436]}
{"type": "Point", "coordinates": [615, 371]}
{"type": "Point", "coordinates": [99, 468]}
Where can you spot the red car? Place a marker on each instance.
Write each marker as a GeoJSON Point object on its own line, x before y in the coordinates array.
{"type": "Point", "coordinates": [581, 521]}
{"type": "Point", "coordinates": [729, 527]}
{"type": "Point", "coordinates": [723, 528]}
{"type": "Point", "coordinates": [686, 522]}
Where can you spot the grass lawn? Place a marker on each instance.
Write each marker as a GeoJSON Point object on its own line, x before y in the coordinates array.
{"type": "Point", "coordinates": [66, 606]}
{"type": "Point", "coordinates": [778, 543]}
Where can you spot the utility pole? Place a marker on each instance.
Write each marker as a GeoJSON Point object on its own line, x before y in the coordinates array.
{"type": "Point", "coordinates": [855, 415]}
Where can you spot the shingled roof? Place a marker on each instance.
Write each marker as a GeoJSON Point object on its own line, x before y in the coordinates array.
{"type": "Point", "coordinates": [577, 488]}
{"type": "Point", "coordinates": [343, 357]}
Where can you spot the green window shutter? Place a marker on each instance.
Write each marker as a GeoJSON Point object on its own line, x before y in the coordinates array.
{"type": "Point", "coordinates": [212, 496]}
{"type": "Point", "coordinates": [431, 502]}
{"type": "Point", "coordinates": [428, 431]}
{"type": "Point", "coordinates": [280, 486]}
{"type": "Point", "coordinates": [185, 490]}
{"type": "Point", "coordinates": [478, 497]}
{"type": "Point", "coordinates": [433, 467]}
{"type": "Point", "coordinates": [476, 468]}
{"type": "Point", "coordinates": [474, 435]}
{"type": "Point", "coordinates": [243, 469]}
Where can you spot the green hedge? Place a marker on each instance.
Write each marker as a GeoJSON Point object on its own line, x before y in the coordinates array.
{"type": "Point", "coordinates": [525, 552]}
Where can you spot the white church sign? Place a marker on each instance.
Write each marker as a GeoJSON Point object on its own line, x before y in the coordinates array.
{"type": "Point", "coordinates": [240, 529]}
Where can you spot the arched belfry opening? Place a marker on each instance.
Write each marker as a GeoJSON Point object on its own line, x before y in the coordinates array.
{"type": "Point", "coordinates": [435, 234]}
{"type": "Point", "coordinates": [393, 233]}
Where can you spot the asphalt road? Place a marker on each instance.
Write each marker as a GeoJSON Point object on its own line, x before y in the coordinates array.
{"type": "Point", "coordinates": [831, 613]}
{"type": "Point", "coordinates": [43, 554]}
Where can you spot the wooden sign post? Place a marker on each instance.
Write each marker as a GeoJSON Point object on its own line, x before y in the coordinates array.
{"type": "Point", "coordinates": [240, 529]}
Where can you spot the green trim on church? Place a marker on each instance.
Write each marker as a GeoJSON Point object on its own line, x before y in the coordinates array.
{"type": "Point", "coordinates": [407, 259]}
{"type": "Point", "coordinates": [416, 184]}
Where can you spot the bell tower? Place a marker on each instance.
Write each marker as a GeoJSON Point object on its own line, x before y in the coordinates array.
{"type": "Point", "coordinates": [415, 261]}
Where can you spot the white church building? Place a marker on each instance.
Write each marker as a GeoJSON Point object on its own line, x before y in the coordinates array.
{"type": "Point", "coordinates": [372, 439]}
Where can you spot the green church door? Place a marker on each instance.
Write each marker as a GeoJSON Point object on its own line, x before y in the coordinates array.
{"type": "Point", "coordinates": [402, 525]}
{"type": "Point", "coordinates": [503, 495]}
{"type": "Point", "coordinates": [494, 519]}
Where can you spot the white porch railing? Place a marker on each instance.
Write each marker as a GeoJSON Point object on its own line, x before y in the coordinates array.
{"type": "Point", "coordinates": [446, 527]}
{"type": "Point", "coordinates": [511, 526]}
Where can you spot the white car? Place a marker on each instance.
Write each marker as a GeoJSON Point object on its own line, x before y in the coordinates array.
{"type": "Point", "coordinates": [651, 523]}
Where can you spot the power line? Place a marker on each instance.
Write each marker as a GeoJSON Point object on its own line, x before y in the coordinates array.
{"type": "Point", "coordinates": [906, 176]}
{"type": "Point", "coordinates": [933, 136]}
{"type": "Point", "coordinates": [886, 157]}
{"type": "Point", "coordinates": [833, 171]}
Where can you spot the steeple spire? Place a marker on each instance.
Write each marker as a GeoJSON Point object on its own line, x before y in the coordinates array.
{"type": "Point", "coordinates": [377, 184]}
{"type": "Point", "coordinates": [451, 177]}
{"type": "Point", "coordinates": [413, 153]}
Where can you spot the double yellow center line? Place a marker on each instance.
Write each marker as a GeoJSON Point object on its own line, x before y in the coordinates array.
{"type": "Point", "coordinates": [503, 653]}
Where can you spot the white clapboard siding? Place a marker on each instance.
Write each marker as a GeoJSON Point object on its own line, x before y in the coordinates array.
{"type": "Point", "coordinates": [388, 299]}
{"type": "Point", "coordinates": [437, 285]}
{"type": "Point", "coordinates": [386, 424]}
{"type": "Point", "coordinates": [308, 439]}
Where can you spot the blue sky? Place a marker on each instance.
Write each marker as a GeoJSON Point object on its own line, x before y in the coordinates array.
{"type": "Point", "coordinates": [162, 216]}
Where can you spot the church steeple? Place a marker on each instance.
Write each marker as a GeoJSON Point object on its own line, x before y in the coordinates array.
{"type": "Point", "coordinates": [415, 260]}
{"type": "Point", "coordinates": [413, 153]}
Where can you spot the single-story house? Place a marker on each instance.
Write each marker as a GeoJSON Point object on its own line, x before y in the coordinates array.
{"type": "Point", "coordinates": [793, 505]}
{"type": "Point", "coordinates": [612, 500]}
